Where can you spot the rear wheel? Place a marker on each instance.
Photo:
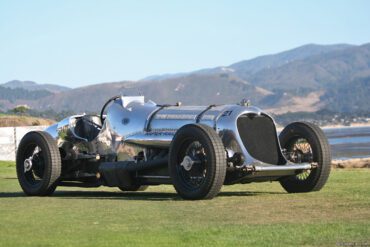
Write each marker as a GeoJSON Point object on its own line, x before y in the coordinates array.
{"type": "Point", "coordinates": [38, 164]}
{"type": "Point", "coordinates": [197, 162]}
{"type": "Point", "coordinates": [304, 142]}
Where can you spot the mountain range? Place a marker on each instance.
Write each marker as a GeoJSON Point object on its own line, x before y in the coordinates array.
{"type": "Point", "coordinates": [33, 86]}
{"type": "Point", "coordinates": [308, 78]}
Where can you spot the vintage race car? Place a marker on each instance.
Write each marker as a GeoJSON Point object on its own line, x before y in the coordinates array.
{"type": "Point", "coordinates": [134, 144]}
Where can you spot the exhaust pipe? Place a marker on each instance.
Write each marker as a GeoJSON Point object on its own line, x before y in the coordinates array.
{"type": "Point", "coordinates": [119, 173]}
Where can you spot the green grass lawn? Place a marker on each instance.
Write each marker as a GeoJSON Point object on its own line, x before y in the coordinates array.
{"type": "Point", "coordinates": [242, 215]}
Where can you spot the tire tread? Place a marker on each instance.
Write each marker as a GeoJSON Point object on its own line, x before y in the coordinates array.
{"type": "Point", "coordinates": [220, 166]}
{"type": "Point", "coordinates": [325, 156]}
{"type": "Point", "coordinates": [52, 155]}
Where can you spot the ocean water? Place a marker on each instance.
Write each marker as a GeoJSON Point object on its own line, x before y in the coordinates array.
{"type": "Point", "coordinates": [349, 142]}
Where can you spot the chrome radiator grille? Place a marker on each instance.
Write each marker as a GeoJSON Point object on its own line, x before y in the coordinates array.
{"type": "Point", "coordinates": [259, 137]}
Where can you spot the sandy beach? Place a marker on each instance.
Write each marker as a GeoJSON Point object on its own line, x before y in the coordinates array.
{"type": "Point", "coordinates": [351, 163]}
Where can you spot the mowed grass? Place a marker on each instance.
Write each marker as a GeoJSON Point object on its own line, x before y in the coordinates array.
{"type": "Point", "coordinates": [242, 215]}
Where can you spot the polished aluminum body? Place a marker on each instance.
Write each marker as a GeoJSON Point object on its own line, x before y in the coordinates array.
{"type": "Point", "coordinates": [132, 125]}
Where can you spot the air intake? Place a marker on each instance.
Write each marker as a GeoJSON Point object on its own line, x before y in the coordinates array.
{"type": "Point", "coordinates": [259, 137]}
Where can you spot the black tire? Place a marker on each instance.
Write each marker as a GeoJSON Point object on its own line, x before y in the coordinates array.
{"type": "Point", "coordinates": [319, 151]}
{"type": "Point", "coordinates": [134, 187]}
{"type": "Point", "coordinates": [210, 157]}
{"type": "Point", "coordinates": [41, 179]}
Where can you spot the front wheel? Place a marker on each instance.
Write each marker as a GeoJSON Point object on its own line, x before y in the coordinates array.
{"type": "Point", "coordinates": [304, 142]}
{"type": "Point", "coordinates": [38, 164]}
{"type": "Point", "coordinates": [197, 162]}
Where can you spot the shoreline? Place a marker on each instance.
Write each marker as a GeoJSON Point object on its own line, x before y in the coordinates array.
{"type": "Point", "coordinates": [334, 126]}
{"type": "Point", "coordinates": [338, 126]}
{"type": "Point", "coordinates": [351, 163]}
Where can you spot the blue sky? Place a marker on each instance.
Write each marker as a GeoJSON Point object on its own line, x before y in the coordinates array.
{"type": "Point", "coordinates": [77, 42]}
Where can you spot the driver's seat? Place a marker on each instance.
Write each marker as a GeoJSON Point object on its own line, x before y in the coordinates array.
{"type": "Point", "coordinates": [88, 127]}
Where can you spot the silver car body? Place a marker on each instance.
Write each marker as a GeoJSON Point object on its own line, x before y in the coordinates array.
{"type": "Point", "coordinates": [132, 125]}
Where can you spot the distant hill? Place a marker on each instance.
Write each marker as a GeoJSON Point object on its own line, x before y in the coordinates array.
{"type": "Point", "coordinates": [20, 93]}
{"type": "Point", "coordinates": [82, 99]}
{"type": "Point", "coordinates": [10, 97]}
{"type": "Point", "coordinates": [349, 97]}
{"type": "Point", "coordinates": [194, 89]}
{"type": "Point", "coordinates": [308, 78]}
{"type": "Point", "coordinates": [326, 70]}
{"type": "Point", "coordinates": [33, 86]}
{"type": "Point", "coordinates": [244, 69]}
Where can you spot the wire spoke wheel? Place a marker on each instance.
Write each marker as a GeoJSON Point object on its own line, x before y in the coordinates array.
{"type": "Point", "coordinates": [197, 162]}
{"type": "Point", "coordinates": [305, 143]}
{"type": "Point", "coordinates": [299, 151]}
{"type": "Point", "coordinates": [192, 165]}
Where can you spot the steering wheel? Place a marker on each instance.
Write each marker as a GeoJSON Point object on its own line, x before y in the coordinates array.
{"type": "Point", "coordinates": [105, 106]}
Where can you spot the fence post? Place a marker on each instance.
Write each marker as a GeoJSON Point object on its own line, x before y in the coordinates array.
{"type": "Point", "coordinates": [15, 142]}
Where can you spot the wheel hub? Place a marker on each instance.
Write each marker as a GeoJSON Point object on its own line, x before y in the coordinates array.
{"type": "Point", "coordinates": [27, 164]}
{"type": "Point", "coordinates": [187, 163]}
